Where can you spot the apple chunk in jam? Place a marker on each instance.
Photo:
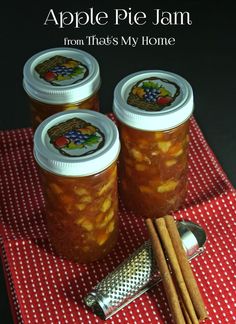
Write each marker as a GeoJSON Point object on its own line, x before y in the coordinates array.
{"type": "Point", "coordinates": [153, 169]}
{"type": "Point", "coordinates": [82, 213]}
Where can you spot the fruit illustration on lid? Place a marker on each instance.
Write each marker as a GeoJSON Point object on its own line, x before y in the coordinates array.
{"type": "Point", "coordinates": [75, 137]}
{"type": "Point", "coordinates": [153, 94]}
{"type": "Point", "coordinates": [60, 70]}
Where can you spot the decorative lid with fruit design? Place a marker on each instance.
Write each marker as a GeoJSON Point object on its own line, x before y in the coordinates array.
{"type": "Point", "coordinates": [153, 94]}
{"type": "Point", "coordinates": [76, 137]}
{"type": "Point", "coordinates": [61, 75]}
{"type": "Point", "coordinates": [153, 100]}
{"type": "Point", "coordinates": [60, 70]}
{"type": "Point", "coordinates": [76, 143]}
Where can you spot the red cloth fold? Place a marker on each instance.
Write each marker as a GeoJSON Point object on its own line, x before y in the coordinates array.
{"type": "Point", "coordinates": [44, 288]}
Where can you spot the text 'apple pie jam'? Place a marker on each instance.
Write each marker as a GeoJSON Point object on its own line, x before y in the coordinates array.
{"type": "Point", "coordinates": [77, 154]}
{"type": "Point", "coordinates": [61, 79]}
{"type": "Point", "coordinates": [153, 109]}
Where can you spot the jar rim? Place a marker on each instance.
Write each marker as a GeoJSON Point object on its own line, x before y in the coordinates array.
{"type": "Point", "coordinates": [171, 116]}
{"type": "Point", "coordinates": [44, 91]}
{"type": "Point", "coordinates": [95, 158]}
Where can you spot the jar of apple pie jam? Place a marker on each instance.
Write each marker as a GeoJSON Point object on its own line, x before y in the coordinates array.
{"type": "Point", "coordinates": [60, 79]}
{"type": "Point", "coordinates": [77, 152]}
{"type": "Point", "coordinates": [153, 109]}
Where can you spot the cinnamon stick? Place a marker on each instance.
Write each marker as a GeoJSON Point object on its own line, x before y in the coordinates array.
{"type": "Point", "coordinates": [170, 251]}
{"type": "Point", "coordinates": [186, 269]}
{"type": "Point", "coordinates": [168, 284]}
{"type": "Point", "coordinates": [186, 315]}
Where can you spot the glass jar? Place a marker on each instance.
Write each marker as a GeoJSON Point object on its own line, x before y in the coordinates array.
{"type": "Point", "coordinates": [77, 153]}
{"type": "Point", "coordinates": [61, 79]}
{"type": "Point", "coordinates": [153, 109]}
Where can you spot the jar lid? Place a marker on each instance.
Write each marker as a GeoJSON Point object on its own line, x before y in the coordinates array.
{"type": "Point", "coordinates": [153, 100]}
{"type": "Point", "coordinates": [76, 143]}
{"type": "Point", "coordinates": [61, 75]}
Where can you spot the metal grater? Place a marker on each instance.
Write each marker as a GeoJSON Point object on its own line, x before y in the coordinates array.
{"type": "Point", "coordinates": [138, 273]}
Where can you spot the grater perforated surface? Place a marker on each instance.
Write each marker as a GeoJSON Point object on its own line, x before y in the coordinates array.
{"type": "Point", "coordinates": [138, 273]}
{"type": "Point", "coordinates": [122, 284]}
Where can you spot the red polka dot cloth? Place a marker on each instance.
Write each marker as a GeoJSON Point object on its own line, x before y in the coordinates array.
{"type": "Point", "coordinates": [44, 288]}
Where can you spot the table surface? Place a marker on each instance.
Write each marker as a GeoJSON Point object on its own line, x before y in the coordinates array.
{"type": "Point", "coordinates": [44, 287]}
{"type": "Point", "coordinates": [203, 54]}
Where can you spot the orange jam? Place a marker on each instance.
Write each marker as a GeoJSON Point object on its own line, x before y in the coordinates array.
{"type": "Point", "coordinates": [153, 169]}
{"type": "Point", "coordinates": [60, 79]}
{"type": "Point", "coordinates": [153, 109]}
{"type": "Point", "coordinates": [82, 213]}
{"type": "Point", "coordinates": [40, 110]}
{"type": "Point", "coordinates": [77, 152]}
